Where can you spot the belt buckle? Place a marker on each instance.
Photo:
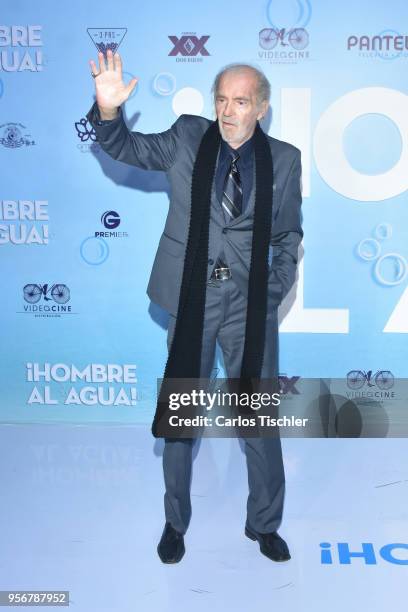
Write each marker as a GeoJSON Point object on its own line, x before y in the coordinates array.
{"type": "Point", "coordinates": [222, 274]}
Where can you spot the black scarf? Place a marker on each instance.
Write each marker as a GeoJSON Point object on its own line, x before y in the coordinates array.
{"type": "Point", "coordinates": [184, 358]}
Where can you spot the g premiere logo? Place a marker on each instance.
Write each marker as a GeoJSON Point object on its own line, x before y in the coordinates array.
{"type": "Point", "coordinates": [110, 219]}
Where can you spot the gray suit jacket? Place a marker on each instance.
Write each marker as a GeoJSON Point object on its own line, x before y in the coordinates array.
{"type": "Point", "coordinates": [174, 151]}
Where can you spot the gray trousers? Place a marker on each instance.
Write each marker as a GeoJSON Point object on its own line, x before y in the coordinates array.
{"type": "Point", "coordinates": [224, 322]}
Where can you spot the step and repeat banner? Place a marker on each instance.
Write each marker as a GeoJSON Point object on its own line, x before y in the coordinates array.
{"type": "Point", "coordinates": [80, 340]}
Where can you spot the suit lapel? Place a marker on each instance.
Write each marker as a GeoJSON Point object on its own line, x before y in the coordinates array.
{"type": "Point", "coordinates": [216, 208]}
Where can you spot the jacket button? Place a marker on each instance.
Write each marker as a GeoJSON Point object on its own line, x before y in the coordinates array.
{"type": "Point", "coordinates": [210, 262]}
{"type": "Point", "coordinates": [224, 230]}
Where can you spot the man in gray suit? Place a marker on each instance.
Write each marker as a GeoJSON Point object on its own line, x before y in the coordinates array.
{"type": "Point", "coordinates": [238, 181]}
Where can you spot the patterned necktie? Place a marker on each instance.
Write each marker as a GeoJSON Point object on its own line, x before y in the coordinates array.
{"type": "Point", "coordinates": [232, 193]}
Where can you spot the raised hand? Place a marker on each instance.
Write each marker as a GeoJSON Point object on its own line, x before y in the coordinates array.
{"type": "Point", "coordinates": [110, 88]}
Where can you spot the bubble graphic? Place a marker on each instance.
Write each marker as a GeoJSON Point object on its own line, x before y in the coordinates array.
{"type": "Point", "coordinates": [369, 249]}
{"type": "Point", "coordinates": [164, 83]}
{"type": "Point", "coordinates": [94, 251]}
{"type": "Point", "coordinates": [188, 100]}
{"type": "Point", "coordinates": [383, 231]}
{"type": "Point", "coordinates": [288, 14]}
{"type": "Point", "coordinates": [391, 269]}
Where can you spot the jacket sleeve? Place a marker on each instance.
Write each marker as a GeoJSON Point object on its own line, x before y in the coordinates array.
{"type": "Point", "coordinates": [286, 236]}
{"type": "Point", "coordinates": [147, 151]}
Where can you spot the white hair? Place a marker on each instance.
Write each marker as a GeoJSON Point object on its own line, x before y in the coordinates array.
{"type": "Point", "coordinates": [263, 90]}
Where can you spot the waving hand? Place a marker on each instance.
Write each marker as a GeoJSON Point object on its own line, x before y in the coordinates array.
{"type": "Point", "coordinates": [111, 91]}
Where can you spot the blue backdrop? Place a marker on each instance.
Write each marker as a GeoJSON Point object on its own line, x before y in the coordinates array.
{"type": "Point", "coordinates": [78, 232]}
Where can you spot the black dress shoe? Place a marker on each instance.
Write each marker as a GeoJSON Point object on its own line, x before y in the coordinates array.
{"type": "Point", "coordinates": [270, 544]}
{"type": "Point", "coordinates": [171, 546]}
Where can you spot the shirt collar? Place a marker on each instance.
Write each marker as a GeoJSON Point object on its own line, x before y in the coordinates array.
{"type": "Point", "coordinates": [244, 151]}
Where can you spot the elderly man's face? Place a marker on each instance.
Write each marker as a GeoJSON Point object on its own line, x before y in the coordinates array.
{"type": "Point", "coordinates": [237, 107]}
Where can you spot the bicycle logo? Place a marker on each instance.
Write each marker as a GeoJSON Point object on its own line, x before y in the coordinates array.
{"type": "Point", "coordinates": [383, 379]}
{"type": "Point", "coordinates": [297, 38]}
{"type": "Point", "coordinates": [58, 292]}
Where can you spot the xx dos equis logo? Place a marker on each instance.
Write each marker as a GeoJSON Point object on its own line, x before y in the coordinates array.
{"type": "Point", "coordinates": [189, 47]}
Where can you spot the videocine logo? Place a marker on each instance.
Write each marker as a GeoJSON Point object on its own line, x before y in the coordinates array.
{"type": "Point", "coordinates": [383, 379]}
{"type": "Point", "coordinates": [297, 38]}
{"type": "Point", "coordinates": [285, 43]}
{"type": "Point", "coordinates": [370, 384]}
{"type": "Point", "coordinates": [367, 555]}
{"type": "Point", "coordinates": [54, 298]}
{"type": "Point", "coordinates": [111, 220]}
